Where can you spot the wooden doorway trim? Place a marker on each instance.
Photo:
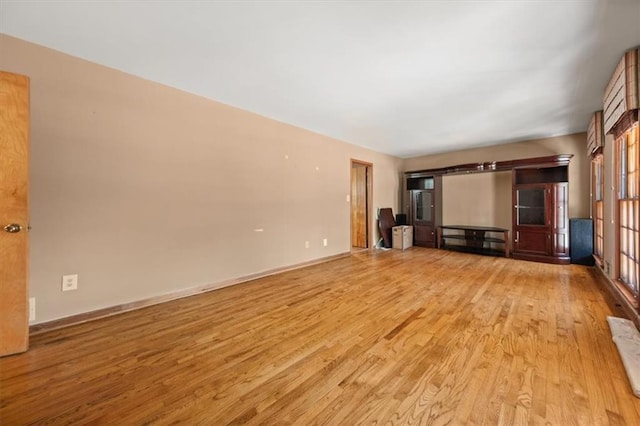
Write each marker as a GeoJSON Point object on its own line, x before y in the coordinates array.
{"type": "Point", "coordinates": [14, 213]}
{"type": "Point", "coordinates": [368, 200]}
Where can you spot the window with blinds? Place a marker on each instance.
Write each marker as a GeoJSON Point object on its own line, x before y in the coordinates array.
{"type": "Point", "coordinates": [627, 159]}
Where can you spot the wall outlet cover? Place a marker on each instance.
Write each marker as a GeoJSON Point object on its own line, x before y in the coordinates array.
{"type": "Point", "coordinates": [69, 282]}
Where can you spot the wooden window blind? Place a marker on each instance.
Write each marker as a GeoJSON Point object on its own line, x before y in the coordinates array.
{"type": "Point", "coordinates": [621, 94]}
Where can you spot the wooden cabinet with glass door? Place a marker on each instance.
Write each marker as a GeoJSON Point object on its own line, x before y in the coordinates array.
{"type": "Point", "coordinates": [424, 207]}
{"type": "Point", "coordinates": [531, 230]}
{"type": "Point", "coordinates": [540, 218]}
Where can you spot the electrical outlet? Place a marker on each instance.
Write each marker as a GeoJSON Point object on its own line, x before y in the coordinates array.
{"type": "Point", "coordinates": [325, 242]}
{"type": "Point", "coordinates": [69, 282]}
{"type": "Point", "coordinates": [306, 244]}
{"type": "Point", "coordinates": [32, 309]}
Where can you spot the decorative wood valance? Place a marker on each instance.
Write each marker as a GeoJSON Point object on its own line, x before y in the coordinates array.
{"type": "Point", "coordinates": [495, 166]}
{"type": "Point", "coordinates": [621, 94]}
{"type": "Point", "coordinates": [627, 121]}
{"type": "Point", "coordinates": [595, 134]}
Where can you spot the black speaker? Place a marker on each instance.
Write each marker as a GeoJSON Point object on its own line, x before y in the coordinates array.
{"type": "Point", "coordinates": [401, 219]}
{"type": "Point", "coordinates": [581, 241]}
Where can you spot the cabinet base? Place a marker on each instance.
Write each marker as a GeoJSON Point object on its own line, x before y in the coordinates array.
{"type": "Point", "coordinates": [558, 260]}
{"type": "Point", "coordinates": [425, 244]}
{"type": "Point", "coordinates": [474, 250]}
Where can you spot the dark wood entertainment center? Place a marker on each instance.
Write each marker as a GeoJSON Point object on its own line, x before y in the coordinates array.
{"type": "Point", "coordinates": [540, 192]}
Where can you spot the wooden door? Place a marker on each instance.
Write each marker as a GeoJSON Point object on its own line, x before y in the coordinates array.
{"type": "Point", "coordinates": [361, 174]}
{"type": "Point", "coordinates": [14, 157]}
{"type": "Point", "coordinates": [359, 206]}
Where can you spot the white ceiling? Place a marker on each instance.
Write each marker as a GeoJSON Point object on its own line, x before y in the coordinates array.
{"type": "Point", "coordinates": [401, 77]}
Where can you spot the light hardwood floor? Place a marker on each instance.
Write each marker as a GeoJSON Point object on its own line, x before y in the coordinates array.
{"type": "Point", "coordinates": [420, 336]}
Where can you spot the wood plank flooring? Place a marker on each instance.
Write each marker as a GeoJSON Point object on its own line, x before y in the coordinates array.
{"type": "Point", "coordinates": [416, 337]}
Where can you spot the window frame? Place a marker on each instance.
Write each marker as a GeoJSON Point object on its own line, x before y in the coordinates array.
{"type": "Point", "coordinates": [627, 165]}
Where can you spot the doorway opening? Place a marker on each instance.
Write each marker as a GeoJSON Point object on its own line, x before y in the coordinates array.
{"type": "Point", "coordinates": [361, 201]}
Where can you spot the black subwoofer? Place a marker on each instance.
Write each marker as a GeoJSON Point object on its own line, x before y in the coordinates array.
{"type": "Point", "coordinates": [581, 241]}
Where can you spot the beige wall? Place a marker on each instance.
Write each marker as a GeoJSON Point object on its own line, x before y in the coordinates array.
{"type": "Point", "coordinates": [142, 189]}
{"type": "Point", "coordinates": [479, 184]}
{"type": "Point", "coordinates": [482, 199]}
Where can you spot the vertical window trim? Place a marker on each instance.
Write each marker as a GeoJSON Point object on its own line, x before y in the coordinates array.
{"type": "Point", "coordinates": [597, 200]}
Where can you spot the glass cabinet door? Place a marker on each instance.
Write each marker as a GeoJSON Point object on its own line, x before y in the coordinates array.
{"type": "Point", "coordinates": [530, 206]}
{"type": "Point", "coordinates": [424, 206]}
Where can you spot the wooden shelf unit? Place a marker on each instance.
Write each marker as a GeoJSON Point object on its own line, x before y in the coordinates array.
{"type": "Point", "coordinates": [475, 238]}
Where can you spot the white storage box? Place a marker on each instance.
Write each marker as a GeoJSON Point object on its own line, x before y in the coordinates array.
{"type": "Point", "coordinates": [402, 237]}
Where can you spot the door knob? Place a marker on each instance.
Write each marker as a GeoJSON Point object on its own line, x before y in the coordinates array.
{"type": "Point", "coordinates": [12, 228]}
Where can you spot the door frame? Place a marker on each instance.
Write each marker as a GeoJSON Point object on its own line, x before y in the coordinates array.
{"type": "Point", "coordinates": [369, 200]}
